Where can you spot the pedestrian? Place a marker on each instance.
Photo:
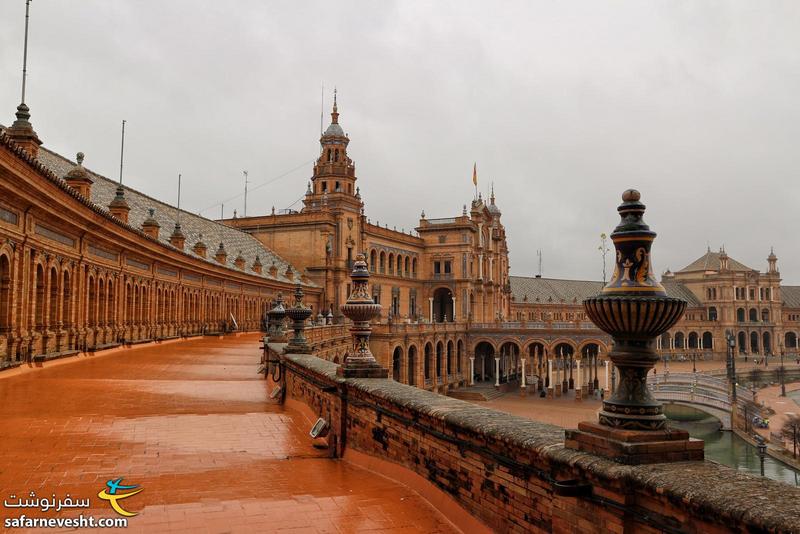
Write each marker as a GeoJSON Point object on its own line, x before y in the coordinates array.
{"type": "Point", "coordinates": [602, 394]}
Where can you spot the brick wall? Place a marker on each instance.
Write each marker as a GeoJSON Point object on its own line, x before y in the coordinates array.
{"type": "Point", "coordinates": [515, 475]}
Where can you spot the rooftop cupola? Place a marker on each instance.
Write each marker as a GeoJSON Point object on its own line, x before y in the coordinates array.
{"type": "Point", "coordinates": [177, 239]}
{"type": "Point", "coordinates": [150, 225]}
{"type": "Point", "coordinates": [724, 263]}
{"type": "Point", "coordinates": [119, 207]}
{"type": "Point", "coordinates": [221, 256]}
{"type": "Point", "coordinates": [78, 178]}
{"type": "Point", "coordinates": [200, 248]}
{"type": "Point", "coordinates": [257, 266]}
{"type": "Point", "coordinates": [22, 133]}
{"type": "Point", "coordinates": [772, 260]}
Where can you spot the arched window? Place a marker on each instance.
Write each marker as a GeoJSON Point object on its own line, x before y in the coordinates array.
{"type": "Point", "coordinates": [397, 359]}
{"type": "Point", "coordinates": [693, 340]}
{"type": "Point", "coordinates": [790, 340]}
{"type": "Point", "coordinates": [753, 315]}
{"type": "Point", "coordinates": [740, 315]}
{"type": "Point", "coordinates": [101, 302]}
{"type": "Point", "coordinates": [679, 340]}
{"type": "Point", "coordinates": [439, 350]}
{"type": "Point", "coordinates": [742, 342]}
{"type": "Point", "coordinates": [399, 270]}
{"type": "Point", "coordinates": [336, 155]}
{"type": "Point", "coordinates": [708, 341]}
{"type": "Point", "coordinates": [459, 355]}
{"type": "Point", "coordinates": [391, 263]}
{"type": "Point", "coordinates": [53, 312]}
{"type": "Point", "coordinates": [449, 369]}
{"type": "Point", "coordinates": [91, 312]}
{"type": "Point", "coordinates": [66, 295]}
{"type": "Point", "coordinates": [754, 342]}
{"type": "Point", "coordinates": [765, 315]}
{"type": "Point", "coordinates": [39, 295]}
{"type": "Point", "coordinates": [382, 268]}
{"type": "Point", "coordinates": [766, 345]}
{"type": "Point", "coordinates": [414, 267]}
{"type": "Point", "coordinates": [5, 294]}
{"type": "Point", "coordinates": [412, 365]}
{"type": "Point", "coordinates": [373, 260]}
{"type": "Point", "coordinates": [406, 266]}
{"type": "Point", "coordinates": [712, 313]}
{"type": "Point", "coordinates": [427, 361]}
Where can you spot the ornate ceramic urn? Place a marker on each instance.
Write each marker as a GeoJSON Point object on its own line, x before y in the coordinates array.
{"type": "Point", "coordinates": [298, 313]}
{"type": "Point", "coordinates": [634, 309]}
{"type": "Point", "coordinates": [361, 309]}
{"type": "Point", "coordinates": [277, 316]}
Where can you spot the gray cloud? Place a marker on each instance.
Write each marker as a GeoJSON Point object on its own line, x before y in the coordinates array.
{"type": "Point", "coordinates": [563, 105]}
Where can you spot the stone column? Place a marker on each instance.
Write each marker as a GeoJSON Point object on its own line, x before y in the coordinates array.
{"type": "Point", "coordinates": [523, 386]}
{"type": "Point", "coordinates": [497, 372]}
{"type": "Point", "coordinates": [550, 388]}
{"type": "Point", "coordinates": [579, 387]}
{"type": "Point", "coordinates": [454, 309]}
{"type": "Point", "coordinates": [430, 301]}
{"type": "Point", "coordinates": [472, 370]}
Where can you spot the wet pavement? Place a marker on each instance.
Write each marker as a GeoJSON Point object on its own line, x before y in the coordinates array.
{"type": "Point", "coordinates": [191, 424]}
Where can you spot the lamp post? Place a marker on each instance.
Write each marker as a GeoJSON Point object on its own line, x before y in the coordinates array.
{"type": "Point", "coordinates": [694, 358]}
{"type": "Point", "coordinates": [731, 362]}
{"type": "Point", "coordinates": [762, 452]}
{"type": "Point", "coordinates": [782, 371]}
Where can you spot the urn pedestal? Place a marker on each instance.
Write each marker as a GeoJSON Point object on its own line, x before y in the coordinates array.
{"type": "Point", "coordinates": [634, 309]}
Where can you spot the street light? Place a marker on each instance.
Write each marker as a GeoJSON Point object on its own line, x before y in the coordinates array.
{"type": "Point", "coordinates": [731, 362]}
{"type": "Point", "coordinates": [762, 452]}
{"type": "Point", "coordinates": [694, 359]}
{"type": "Point", "coordinates": [782, 370]}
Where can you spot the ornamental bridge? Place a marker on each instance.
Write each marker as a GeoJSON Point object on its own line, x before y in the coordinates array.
{"type": "Point", "coordinates": [701, 391]}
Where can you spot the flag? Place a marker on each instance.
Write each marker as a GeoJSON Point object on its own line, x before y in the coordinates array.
{"type": "Point", "coordinates": [475, 173]}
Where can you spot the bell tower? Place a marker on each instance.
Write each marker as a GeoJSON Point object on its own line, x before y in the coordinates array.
{"type": "Point", "coordinates": [334, 181]}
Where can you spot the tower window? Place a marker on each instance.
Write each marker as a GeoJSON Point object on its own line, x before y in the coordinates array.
{"type": "Point", "coordinates": [329, 154]}
{"type": "Point", "coordinates": [324, 187]}
{"type": "Point", "coordinates": [338, 187]}
{"type": "Point", "coordinates": [336, 155]}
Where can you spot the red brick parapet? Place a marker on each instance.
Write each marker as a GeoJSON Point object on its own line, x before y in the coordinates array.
{"type": "Point", "coordinates": [515, 475]}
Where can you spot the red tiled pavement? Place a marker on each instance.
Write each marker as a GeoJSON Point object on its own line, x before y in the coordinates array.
{"type": "Point", "coordinates": [190, 423]}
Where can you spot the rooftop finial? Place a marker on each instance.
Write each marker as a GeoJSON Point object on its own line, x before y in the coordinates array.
{"type": "Point", "coordinates": [122, 151]}
{"type": "Point", "coordinates": [79, 157]}
{"type": "Point", "coordinates": [335, 114]}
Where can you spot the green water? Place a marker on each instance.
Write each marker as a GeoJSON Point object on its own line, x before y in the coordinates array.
{"type": "Point", "coordinates": [729, 449]}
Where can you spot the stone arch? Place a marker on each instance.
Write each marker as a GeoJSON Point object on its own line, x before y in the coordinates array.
{"type": "Point", "coordinates": [53, 298]}
{"type": "Point", "coordinates": [741, 340]}
{"type": "Point", "coordinates": [382, 262]}
{"type": "Point", "coordinates": [790, 340]}
{"type": "Point", "coordinates": [680, 340]}
{"type": "Point", "coordinates": [373, 260]}
{"type": "Point", "coordinates": [5, 292]}
{"type": "Point", "coordinates": [754, 343]}
{"type": "Point", "coordinates": [509, 360]}
{"type": "Point", "coordinates": [484, 361]}
{"type": "Point", "coordinates": [397, 363]}
{"type": "Point", "coordinates": [442, 305]}
{"type": "Point", "coordinates": [694, 340]}
{"type": "Point", "coordinates": [427, 361]}
{"type": "Point", "coordinates": [766, 343]}
{"type": "Point", "coordinates": [449, 359]}
{"type": "Point", "coordinates": [459, 355]}
{"type": "Point", "coordinates": [406, 266]}
{"type": "Point", "coordinates": [439, 358]}
{"type": "Point", "coordinates": [91, 301]}
{"type": "Point", "coordinates": [708, 341]}
{"type": "Point", "coordinates": [595, 343]}
{"type": "Point", "coordinates": [412, 365]}
{"type": "Point", "coordinates": [390, 266]}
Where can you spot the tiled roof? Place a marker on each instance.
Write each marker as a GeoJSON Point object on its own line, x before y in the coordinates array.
{"type": "Point", "coordinates": [791, 296]}
{"type": "Point", "coordinates": [553, 290]}
{"type": "Point", "coordinates": [710, 262]}
{"type": "Point", "coordinates": [676, 289]}
{"type": "Point", "coordinates": [104, 190]}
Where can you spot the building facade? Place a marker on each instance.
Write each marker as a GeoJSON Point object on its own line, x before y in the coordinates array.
{"type": "Point", "coordinates": [88, 264]}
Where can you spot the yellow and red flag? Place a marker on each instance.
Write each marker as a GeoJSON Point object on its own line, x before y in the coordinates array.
{"type": "Point", "coordinates": [475, 173]}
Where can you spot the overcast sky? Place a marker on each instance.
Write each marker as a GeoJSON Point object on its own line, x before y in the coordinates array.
{"type": "Point", "coordinates": [562, 104]}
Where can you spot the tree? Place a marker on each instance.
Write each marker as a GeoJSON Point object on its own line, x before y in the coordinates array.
{"type": "Point", "coordinates": [791, 431]}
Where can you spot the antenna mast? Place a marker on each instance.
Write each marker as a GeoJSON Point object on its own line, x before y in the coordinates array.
{"type": "Point", "coordinates": [245, 193]}
{"type": "Point", "coordinates": [121, 151]}
{"type": "Point", "coordinates": [539, 253]}
{"type": "Point", "coordinates": [178, 218]}
{"type": "Point", "coordinates": [25, 49]}
{"type": "Point", "coordinates": [321, 108]}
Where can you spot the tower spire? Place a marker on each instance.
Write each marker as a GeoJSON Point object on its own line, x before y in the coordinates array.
{"type": "Point", "coordinates": [335, 114]}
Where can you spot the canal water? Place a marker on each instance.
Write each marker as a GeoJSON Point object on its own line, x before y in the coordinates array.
{"type": "Point", "coordinates": [729, 449]}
